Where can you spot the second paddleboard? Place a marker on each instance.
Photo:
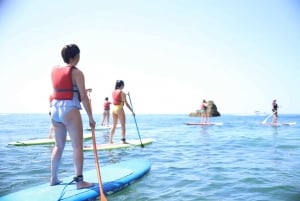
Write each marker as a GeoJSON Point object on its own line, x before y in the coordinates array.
{"type": "Point", "coordinates": [43, 141]}
{"type": "Point", "coordinates": [137, 142]}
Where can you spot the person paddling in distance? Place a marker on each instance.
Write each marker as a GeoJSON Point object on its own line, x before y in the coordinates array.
{"type": "Point", "coordinates": [203, 111]}
{"type": "Point", "coordinates": [69, 91]}
{"type": "Point", "coordinates": [106, 107]}
{"type": "Point", "coordinates": [275, 111]}
{"type": "Point", "coordinates": [119, 99]}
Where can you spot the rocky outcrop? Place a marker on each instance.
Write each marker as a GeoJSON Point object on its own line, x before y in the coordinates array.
{"type": "Point", "coordinates": [212, 111]}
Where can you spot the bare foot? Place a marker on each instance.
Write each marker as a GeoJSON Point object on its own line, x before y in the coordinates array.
{"type": "Point", "coordinates": [83, 184]}
{"type": "Point", "coordinates": [54, 182]}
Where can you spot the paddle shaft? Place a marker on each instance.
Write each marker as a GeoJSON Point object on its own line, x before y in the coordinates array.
{"type": "Point", "coordinates": [266, 119]}
{"type": "Point", "coordinates": [102, 195]}
{"type": "Point", "coordinates": [137, 128]}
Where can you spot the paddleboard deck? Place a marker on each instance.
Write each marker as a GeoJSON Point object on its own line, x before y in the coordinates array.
{"type": "Point", "coordinates": [204, 124]}
{"type": "Point", "coordinates": [115, 177]}
{"type": "Point", "coordinates": [43, 141]}
{"type": "Point", "coordinates": [101, 128]}
{"type": "Point", "coordinates": [280, 124]}
{"type": "Point", "coordinates": [137, 142]}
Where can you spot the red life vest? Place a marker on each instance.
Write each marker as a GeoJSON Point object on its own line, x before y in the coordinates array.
{"type": "Point", "coordinates": [116, 95]}
{"type": "Point", "coordinates": [62, 83]}
{"type": "Point", "coordinates": [106, 105]}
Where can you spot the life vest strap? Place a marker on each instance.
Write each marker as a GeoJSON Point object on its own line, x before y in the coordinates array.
{"type": "Point", "coordinates": [64, 90]}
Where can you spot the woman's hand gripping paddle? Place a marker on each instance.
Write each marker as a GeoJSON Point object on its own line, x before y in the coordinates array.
{"type": "Point", "coordinates": [135, 122]}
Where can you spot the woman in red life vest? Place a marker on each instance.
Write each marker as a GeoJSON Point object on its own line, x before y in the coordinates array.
{"type": "Point", "coordinates": [119, 99]}
{"type": "Point", "coordinates": [106, 107]}
{"type": "Point", "coordinates": [68, 94]}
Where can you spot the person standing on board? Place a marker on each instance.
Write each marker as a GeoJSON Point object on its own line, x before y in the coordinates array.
{"type": "Point", "coordinates": [106, 112]}
{"type": "Point", "coordinates": [68, 92]}
{"type": "Point", "coordinates": [275, 112]}
{"type": "Point", "coordinates": [203, 112]}
{"type": "Point", "coordinates": [119, 99]}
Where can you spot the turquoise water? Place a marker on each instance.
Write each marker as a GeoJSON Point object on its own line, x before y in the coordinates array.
{"type": "Point", "coordinates": [240, 160]}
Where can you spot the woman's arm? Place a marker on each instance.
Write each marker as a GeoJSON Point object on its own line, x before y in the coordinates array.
{"type": "Point", "coordinates": [126, 102]}
{"type": "Point", "coordinates": [79, 80]}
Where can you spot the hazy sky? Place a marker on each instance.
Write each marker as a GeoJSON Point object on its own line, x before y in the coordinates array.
{"type": "Point", "coordinates": [171, 54]}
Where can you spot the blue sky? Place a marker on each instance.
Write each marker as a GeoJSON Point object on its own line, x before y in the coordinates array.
{"type": "Point", "coordinates": [171, 54]}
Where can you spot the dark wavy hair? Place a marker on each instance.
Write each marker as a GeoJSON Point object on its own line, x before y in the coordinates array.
{"type": "Point", "coordinates": [119, 84]}
{"type": "Point", "coordinates": [69, 51]}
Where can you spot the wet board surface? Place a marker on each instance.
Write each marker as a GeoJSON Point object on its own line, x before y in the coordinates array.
{"type": "Point", "coordinates": [136, 142]}
{"type": "Point", "coordinates": [43, 141]}
{"type": "Point", "coordinates": [101, 128]}
{"type": "Point", "coordinates": [115, 177]}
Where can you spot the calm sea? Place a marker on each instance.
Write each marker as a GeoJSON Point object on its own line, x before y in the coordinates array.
{"type": "Point", "coordinates": [239, 160]}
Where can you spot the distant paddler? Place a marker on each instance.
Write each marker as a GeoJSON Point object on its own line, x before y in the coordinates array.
{"type": "Point", "coordinates": [275, 111]}
{"type": "Point", "coordinates": [118, 114]}
{"type": "Point", "coordinates": [203, 112]}
{"type": "Point", "coordinates": [106, 112]}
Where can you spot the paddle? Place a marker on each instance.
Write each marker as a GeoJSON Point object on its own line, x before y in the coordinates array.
{"type": "Point", "coordinates": [102, 195]}
{"type": "Point", "coordinates": [135, 122]}
{"type": "Point", "coordinates": [266, 119]}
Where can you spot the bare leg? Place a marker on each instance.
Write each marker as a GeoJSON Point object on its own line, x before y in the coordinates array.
{"type": "Point", "coordinates": [73, 122]}
{"type": "Point", "coordinates": [60, 140]}
{"type": "Point", "coordinates": [103, 118]}
{"type": "Point", "coordinates": [51, 131]}
{"type": "Point", "coordinates": [107, 116]}
{"type": "Point", "coordinates": [113, 128]}
{"type": "Point", "coordinates": [207, 117]}
{"type": "Point", "coordinates": [122, 118]}
{"type": "Point", "coordinates": [203, 117]}
{"type": "Point", "coordinates": [274, 118]}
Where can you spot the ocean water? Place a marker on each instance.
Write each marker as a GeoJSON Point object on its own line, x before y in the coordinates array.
{"type": "Point", "coordinates": [239, 160]}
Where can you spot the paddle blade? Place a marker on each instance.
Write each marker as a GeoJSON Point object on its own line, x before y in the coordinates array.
{"type": "Point", "coordinates": [103, 198]}
{"type": "Point", "coordinates": [102, 195]}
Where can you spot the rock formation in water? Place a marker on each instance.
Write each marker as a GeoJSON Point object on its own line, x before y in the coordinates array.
{"type": "Point", "coordinates": [212, 111]}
